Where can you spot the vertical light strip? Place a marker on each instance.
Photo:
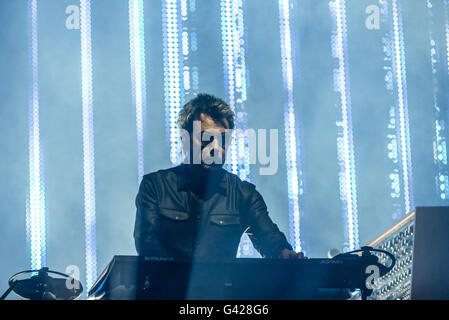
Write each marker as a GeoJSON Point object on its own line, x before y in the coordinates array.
{"type": "Point", "coordinates": [185, 51]}
{"type": "Point", "coordinates": [292, 146]}
{"type": "Point", "coordinates": [233, 42]}
{"type": "Point", "coordinates": [444, 176]}
{"type": "Point", "coordinates": [393, 138]}
{"type": "Point", "coordinates": [227, 35]}
{"type": "Point", "coordinates": [172, 76]}
{"type": "Point", "coordinates": [402, 107]}
{"type": "Point", "coordinates": [189, 47]}
{"type": "Point", "coordinates": [446, 23]}
{"type": "Point", "coordinates": [439, 139]}
{"type": "Point", "coordinates": [36, 232]}
{"type": "Point", "coordinates": [88, 144]}
{"type": "Point", "coordinates": [193, 45]}
{"type": "Point", "coordinates": [347, 175]}
{"type": "Point", "coordinates": [138, 79]}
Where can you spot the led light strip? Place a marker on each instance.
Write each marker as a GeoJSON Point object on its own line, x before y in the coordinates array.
{"type": "Point", "coordinates": [188, 45]}
{"type": "Point", "coordinates": [400, 75]}
{"type": "Point", "coordinates": [446, 23]}
{"type": "Point", "coordinates": [172, 77]}
{"type": "Point", "coordinates": [88, 144]}
{"type": "Point", "coordinates": [189, 48]}
{"type": "Point", "coordinates": [292, 146]}
{"type": "Point", "coordinates": [233, 41]}
{"type": "Point", "coordinates": [439, 140]}
{"type": "Point", "coordinates": [36, 226]}
{"type": "Point", "coordinates": [443, 179]}
{"type": "Point", "coordinates": [394, 176]}
{"type": "Point", "coordinates": [444, 176]}
{"type": "Point", "coordinates": [138, 79]}
{"type": "Point", "coordinates": [348, 192]}
{"type": "Point", "coordinates": [186, 69]}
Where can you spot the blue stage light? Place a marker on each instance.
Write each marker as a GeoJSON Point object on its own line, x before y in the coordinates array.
{"type": "Point", "coordinates": [402, 106]}
{"type": "Point", "coordinates": [36, 218]}
{"type": "Point", "coordinates": [440, 127]}
{"type": "Point", "coordinates": [233, 40]}
{"type": "Point", "coordinates": [345, 145]}
{"type": "Point", "coordinates": [172, 76]}
{"type": "Point", "coordinates": [233, 46]}
{"type": "Point", "coordinates": [138, 78]}
{"type": "Point", "coordinates": [293, 147]}
{"type": "Point", "coordinates": [88, 143]}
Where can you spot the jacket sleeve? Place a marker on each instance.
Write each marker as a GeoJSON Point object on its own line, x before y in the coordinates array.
{"type": "Point", "coordinates": [146, 229]}
{"type": "Point", "coordinates": [264, 234]}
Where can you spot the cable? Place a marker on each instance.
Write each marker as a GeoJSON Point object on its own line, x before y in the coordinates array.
{"type": "Point", "coordinates": [367, 251]}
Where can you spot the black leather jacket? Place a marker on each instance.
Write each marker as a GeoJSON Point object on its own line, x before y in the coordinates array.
{"type": "Point", "coordinates": [174, 220]}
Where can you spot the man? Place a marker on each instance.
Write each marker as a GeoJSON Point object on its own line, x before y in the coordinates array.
{"type": "Point", "coordinates": [198, 209]}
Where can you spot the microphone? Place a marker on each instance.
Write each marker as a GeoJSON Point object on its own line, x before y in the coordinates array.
{"type": "Point", "coordinates": [332, 253]}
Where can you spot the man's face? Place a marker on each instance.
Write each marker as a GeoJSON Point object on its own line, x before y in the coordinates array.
{"type": "Point", "coordinates": [211, 145]}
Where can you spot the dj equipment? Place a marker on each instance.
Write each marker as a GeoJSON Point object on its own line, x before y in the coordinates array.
{"type": "Point", "coordinates": [131, 277]}
{"type": "Point", "coordinates": [420, 243]}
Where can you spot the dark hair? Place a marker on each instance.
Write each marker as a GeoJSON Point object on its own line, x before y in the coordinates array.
{"type": "Point", "coordinates": [214, 107]}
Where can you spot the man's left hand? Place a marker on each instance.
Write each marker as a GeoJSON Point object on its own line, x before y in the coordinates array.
{"type": "Point", "coordinates": [289, 254]}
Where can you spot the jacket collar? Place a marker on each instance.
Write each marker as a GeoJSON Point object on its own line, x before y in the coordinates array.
{"type": "Point", "coordinates": [185, 180]}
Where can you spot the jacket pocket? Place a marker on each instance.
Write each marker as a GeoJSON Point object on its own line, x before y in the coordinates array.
{"type": "Point", "coordinates": [225, 233]}
{"type": "Point", "coordinates": [175, 232]}
{"type": "Point", "coordinates": [225, 220]}
{"type": "Point", "coordinates": [173, 214]}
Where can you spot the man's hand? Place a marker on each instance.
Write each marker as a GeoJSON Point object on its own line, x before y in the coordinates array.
{"type": "Point", "coordinates": [289, 254]}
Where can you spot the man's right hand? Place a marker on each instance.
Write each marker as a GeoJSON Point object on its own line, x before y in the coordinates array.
{"type": "Point", "coordinates": [289, 254]}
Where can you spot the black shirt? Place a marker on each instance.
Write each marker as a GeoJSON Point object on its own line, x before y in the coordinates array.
{"type": "Point", "coordinates": [177, 219]}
